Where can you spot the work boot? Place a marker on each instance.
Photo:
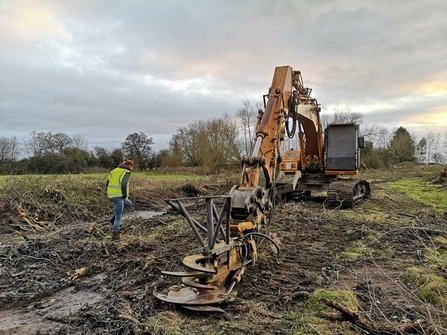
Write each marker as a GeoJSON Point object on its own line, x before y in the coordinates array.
{"type": "Point", "coordinates": [116, 235]}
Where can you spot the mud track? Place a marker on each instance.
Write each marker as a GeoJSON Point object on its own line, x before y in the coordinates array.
{"type": "Point", "coordinates": [75, 280]}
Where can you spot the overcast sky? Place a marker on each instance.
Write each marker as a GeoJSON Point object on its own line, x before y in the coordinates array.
{"type": "Point", "coordinates": [107, 68]}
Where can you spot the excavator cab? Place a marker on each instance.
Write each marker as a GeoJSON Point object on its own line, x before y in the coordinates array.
{"type": "Point", "coordinates": [342, 144]}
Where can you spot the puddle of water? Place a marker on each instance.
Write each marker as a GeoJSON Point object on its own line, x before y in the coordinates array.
{"type": "Point", "coordinates": [144, 214]}
{"type": "Point", "coordinates": [43, 314]}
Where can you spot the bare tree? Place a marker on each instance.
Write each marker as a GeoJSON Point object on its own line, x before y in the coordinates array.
{"type": "Point", "coordinates": [347, 115]}
{"type": "Point", "coordinates": [325, 119]}
{"type": "Point", "coordinates": [431, 139]}
{"type": "Point", "coordinates": [184, 144]}
{"type": "Point", "coordinates": [437, 152]}
{"type": "Point", "coordinates": [444, 145]}
{"type": "Point", "coordinates": [379, 136]}
{"type": "Point", "coordinates": [46, 143]}
{"type": "Point", "coordinates": [421, 151]}
{"type": "Point", "coordinates": [383, 138]}
{"type": "Point", "coordinates": [208, 144]}
{"type": "Point", "coordinates": [79, 142]}
{"type": "Point", "coordinates": [343, 115]}
{"type": "Point", "coordinates": [248, 114]}
{"type": "Point", "coordinates": [9, 149]}
{"type": "Point", "coordinates": [370, 132]}
{"type": "Point", "coordinates": [220, 147]}
{"type": "Point", "coordinates": [40, 144]}
{"type": "Point", "coordinates": [31, 145]}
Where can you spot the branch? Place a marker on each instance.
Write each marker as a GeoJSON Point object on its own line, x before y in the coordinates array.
{"type": "Point", "coordinates": [346, 314]}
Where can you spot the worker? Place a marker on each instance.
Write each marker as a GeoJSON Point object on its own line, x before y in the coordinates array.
{"type": "Point", "coordinates": [118, 191]}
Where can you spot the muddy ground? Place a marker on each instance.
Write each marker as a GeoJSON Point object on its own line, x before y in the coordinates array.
{"type": "Point", "coordinates": [73, 279]}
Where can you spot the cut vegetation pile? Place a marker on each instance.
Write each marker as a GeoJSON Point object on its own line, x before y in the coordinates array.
{"type": "Point", "coordinates": [380, 268]}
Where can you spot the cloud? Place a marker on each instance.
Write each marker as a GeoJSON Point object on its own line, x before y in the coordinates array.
{"type": "Point", "coordinates": [108, 69]}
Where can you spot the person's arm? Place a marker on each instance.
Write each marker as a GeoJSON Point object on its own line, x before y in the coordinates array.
{"type": "Point", "coordinates": [108, 179]}
{"type": "Point", "coordinates": [124, 184]}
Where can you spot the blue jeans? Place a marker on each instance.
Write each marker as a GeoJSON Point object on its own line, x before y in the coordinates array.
{"type": "Point", "coordinates": [121, 206]}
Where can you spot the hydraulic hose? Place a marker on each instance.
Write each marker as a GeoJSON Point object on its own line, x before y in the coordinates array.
{"type": "Point", "coordinates": [265, 236]}
{"type": "Point", "coordinates": [293, 106]}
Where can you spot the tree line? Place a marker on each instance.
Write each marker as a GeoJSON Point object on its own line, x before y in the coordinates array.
{"type": "Point", "coordinates": [209, 145]}
{"type": "Point", "coordinates": [58, 153]}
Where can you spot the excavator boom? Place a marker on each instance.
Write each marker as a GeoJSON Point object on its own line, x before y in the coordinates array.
{"type": "Point", "coordinates": [238, 224]}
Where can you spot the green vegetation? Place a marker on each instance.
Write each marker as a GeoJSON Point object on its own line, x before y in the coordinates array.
{"type": "Point", "coordinates": [72, 182]}
{"type": "Point", "coordinates": [170, 176]}
{"type": "Point", "coordinates": [346, 297]}
{"type": "Point", "coordinates": [49, 200]}
{"type": "Point", "coordinates": [356, 252]}
{"type": "Point", "coordinates": [56, 198]}
{"type": "Point", "coordinates": [422, 191]}
{"type": "Point", "coordinates": [206, 146]}
{"type": "Point", "coordinates": [402, 146]}
{"type": "Point", "coordinates": [368, 213]}
{"type": "Point", "coordinates": [2, 179]}
{"type": "Point", "coordinates": [437, 260]}
{"type": "Point", "coordinates": [430, 287]}
{"type": "Point", "coordinates": [314, 305]}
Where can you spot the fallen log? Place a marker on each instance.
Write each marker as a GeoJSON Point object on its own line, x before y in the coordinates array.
{"type": "Point", "coordinates": [346, 314]}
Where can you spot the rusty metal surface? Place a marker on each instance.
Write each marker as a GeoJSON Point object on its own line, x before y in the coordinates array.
{"type": "Point", "coordinates": [185, 274]}
{"type": "Point", "coordinates": [192, 261]}
{"type": "Point", "coordinates": [191, 296]}
{"type": "Point", "coordinates": [204, 309]}
{"type": "Point", "coordinates": [191, 282]}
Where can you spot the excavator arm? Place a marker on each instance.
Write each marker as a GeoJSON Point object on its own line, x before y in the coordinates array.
{"type": "Point", "coordinates": [231, 236]}
{"type": "Point", "coordinates": [253, 199]}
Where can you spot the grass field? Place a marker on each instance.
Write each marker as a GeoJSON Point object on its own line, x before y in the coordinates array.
{"type": "Point", "coordinates": [415, 181]}
{"type": "Point", "coordinates": [140, 179]}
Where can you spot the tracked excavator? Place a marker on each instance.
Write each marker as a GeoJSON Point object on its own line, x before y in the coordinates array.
{"type": "Point", "coordinates": [237, 224]}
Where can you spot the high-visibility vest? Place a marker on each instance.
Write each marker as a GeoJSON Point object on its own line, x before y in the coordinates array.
{"type": "Point", "coordinates": [115, 179]}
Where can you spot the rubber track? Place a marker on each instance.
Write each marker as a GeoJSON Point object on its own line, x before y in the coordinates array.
{"type": "Point", "coordinates": [347, 193]}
